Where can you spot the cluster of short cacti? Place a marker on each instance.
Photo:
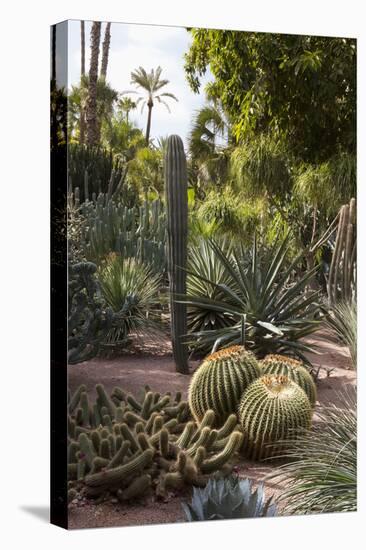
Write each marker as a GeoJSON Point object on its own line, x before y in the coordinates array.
{"type": "Point", "coordinates": [294, 370]}
{"type": "Point", "coordinates": [273, 398]}
{"type": "Point", "coordinates": [220, 382]}
{"type": "Point", "coordinates": [122, 446]}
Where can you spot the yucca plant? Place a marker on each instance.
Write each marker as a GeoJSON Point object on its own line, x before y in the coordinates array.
{"type": "Point", "coordinates": [228, 498]}
{"type": "Point", "coordinates": [321, 472]}
{"type": "Point", "coordinates": [132, 291]}
{"type": "Point", "coordinates": [342, 320]}
{"type": "Point", "coordinates": [277, 311]}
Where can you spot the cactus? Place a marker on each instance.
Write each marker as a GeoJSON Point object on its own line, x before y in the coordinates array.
{"type": "Point", "coordinates": [293, 369]}
{"type": "Point", "coordinates": [177, 229]}
{"type": "Point", "coordinates": [273, 408]}
{"type": "Point", "coordinates": [143, 443]}
{"type": "Point", "coordinates": [342, 272]}
{"type": "Point", "coordinates": [219, 382]}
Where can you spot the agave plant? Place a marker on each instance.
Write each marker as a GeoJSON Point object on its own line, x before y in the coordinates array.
{"type": "Point", "coordinates": [275, 310]}
{"type": "Point", "coordinates": [228, 498]}
{"type": "Point", "coordinates": [342, 319]}
{"type": "Point", "coordinates": [203, 261]}
{"type": "Point", "coordinates": [132, 291]}
{"type": "Point", "coordinates": [321, 475]}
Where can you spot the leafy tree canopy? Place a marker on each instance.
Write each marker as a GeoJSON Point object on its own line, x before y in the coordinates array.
{"type": "Point", "coordinates": [300, 89]}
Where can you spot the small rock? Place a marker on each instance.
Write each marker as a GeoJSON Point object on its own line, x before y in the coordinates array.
{"type": "Point", "coordinates": [75, 501]}
{"type": "Point", "coordinates": [114, 500]}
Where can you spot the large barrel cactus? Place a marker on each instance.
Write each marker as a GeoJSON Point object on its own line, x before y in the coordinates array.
{"type": "Point", "coordinates": [177, 224]}
{"type": "Point", "coordinates": [272, 409]}
{"type": "Point", "coordinates": [293, 369]}
{"type": "Point", "coordinates": [219, 382]}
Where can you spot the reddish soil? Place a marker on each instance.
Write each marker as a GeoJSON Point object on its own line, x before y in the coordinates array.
{"type": "Point", "coordinates": [154, 365]}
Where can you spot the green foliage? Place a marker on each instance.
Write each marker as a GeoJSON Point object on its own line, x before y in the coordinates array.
{"type": "Point", "coordinates": [124, 446]}
{"type": "Point", "coordinates": [342, 319]}
{"type": "Point", "coordinates": [301, 88]}
{"type": "Point", "coordinates": [131, 290]}
{"type": "Point", "coordinates": [320, 474]}
{"type": "Point", "coordinates": [220, 381]}
{"type": "Point", "coordinates": [278, 311]}
{"type": "Point", "coordinates": [177, 233]}
{"type": "Point", "coordinates": [236, 218]}
{"type": "Point", "coordinates": [294, 370]}
{"type": "Point", "coordinates": [228, 498]}
{"type": "Point", "coordinates": [89, 320]}
{"type": "Point", "coordinates": [272, 409]}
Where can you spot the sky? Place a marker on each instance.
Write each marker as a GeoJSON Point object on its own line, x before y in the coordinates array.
{"type": "Point", "coordinates": [147, 46]}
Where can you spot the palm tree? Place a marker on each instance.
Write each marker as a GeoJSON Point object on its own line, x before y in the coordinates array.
{"type": "Point", "coordinates": [91, 110]}
{"type": "Point", "coordinates": [210, 143]}
{"type": "Point", "coordinates": [150, 83]}
{"type": "Point", "coordinates": [126, 104]}
{"type": "Point", "coordinates": [82, 73]}
{"type": "Point", "coordinates": [105, 54]}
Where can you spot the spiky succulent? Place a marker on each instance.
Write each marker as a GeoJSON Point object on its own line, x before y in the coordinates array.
{"type": "Point", "coordinates": [228, 498]}
{"type": "Point", "coordinates": [272, 409]}
{"type": "Point", "coordinates": [293, 369]}
{"type": "Point", "coordinates": [220, 381]}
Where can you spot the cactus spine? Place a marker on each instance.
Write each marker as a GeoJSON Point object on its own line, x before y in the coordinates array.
{"type": "Point", "coordinates": [293, 369]}
{"type": "Point", "coordinates": [177, 229]}
{"type": "Point", "coordinates": [219, 382]}
{"type": "Point", "coordinates": [272, 409]}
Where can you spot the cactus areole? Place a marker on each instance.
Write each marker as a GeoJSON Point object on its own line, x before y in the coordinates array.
{"type": "Point", "coordinates": [177, 224]}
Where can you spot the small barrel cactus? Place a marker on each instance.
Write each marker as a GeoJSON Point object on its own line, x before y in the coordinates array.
{"type": "Point", "coordinates": [293, 369]}
{"type": "Point", "coordinates": [272, 409]}
{"type": "Point", "coordinates": [219, 382]}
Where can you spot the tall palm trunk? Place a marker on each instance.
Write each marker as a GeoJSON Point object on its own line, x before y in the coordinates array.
{"type": "Point", "coordinates": [91, 107]}
{"type": "Point", "coordinates": [106, 43]}
{"type": "Point", "coordinates": [150, 105]}
{"type": "Point", "coordinates": [104, 65]}
{"type": "Point", "coordinates": [82, 73]}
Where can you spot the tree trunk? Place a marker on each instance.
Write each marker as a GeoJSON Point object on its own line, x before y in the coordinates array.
{"type": "Point", "coordinates": [82, 73]}
{"type": "Point", "coordinates": [150, 105]}
{"type": "Point", "coordinates": [91, 107]}
{"type": "Point", "coordinates": [106, 43]}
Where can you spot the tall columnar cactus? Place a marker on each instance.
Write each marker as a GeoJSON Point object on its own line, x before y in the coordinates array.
{"type": "Point", "coordinates": [294, 370]}
{"type": "Point", "coordinates": [342, 272]}
{"type": "Point", "coordinates": [272, 409]}
{"type": "Point", "coordinates": [219, 382]}
{"type": "Point", "coordinates": [177, 224]}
